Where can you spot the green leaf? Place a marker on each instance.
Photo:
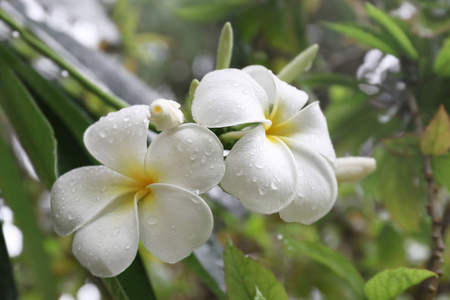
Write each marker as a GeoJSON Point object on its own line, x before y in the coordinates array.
{"type": "Point", "coordinates": [74, 118]}
{"type": "Point", "coordinates": [259, 296]}
{"type": "Point", "coordinates": [442, 62]}
{"type": "Point", "coordinates": [333, 260]}
{"type": "Point", "coordinates": [33, 130]}
{"type": "Point", "coordinates": [7, 286]}
{"type": "Point", "coordinates": [132, 284]}
{"type": "Point", "coordinates": [391, 283]}
{"type": "Point", "coordinates": [243, 276]}
{"type": "Point", "coordinates": [327, 79]}
{"type": "Point", "coordinates": [394, 30]}
{"type": "Point", "coordinates": [404, 145]}
{"type": "Point", "coordinates": [18, 197]}
{"type": "Point", "coordinates": [436, 138]}
{"type": "Point", "coordinates": [207, 11]}
{"type": "Point", "coordinates": [225, 48]}
{"type": "Point", "coordinates": [193, 263]}
{"type": "Point", "coordinates": [363, 36]}
{"type": "Point", "coordinates": [301, 63]}
{"type": "Point", "coordinates": [441, 170]}
{"type": "Point", "coordinates": [400, 187]}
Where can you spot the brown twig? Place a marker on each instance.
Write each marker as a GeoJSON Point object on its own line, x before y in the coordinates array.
{"type": "Point", "coordinates": [430, 286]}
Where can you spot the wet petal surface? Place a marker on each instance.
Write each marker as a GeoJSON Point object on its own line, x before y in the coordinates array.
{"type": "Point", "coordinates": [81, 194]}
{"type": "Point", "coordinates": [173, 222]}
{"type": "Point", "coordinates": [260, 172]}
{"type": "Point", "coordinates": [108, 245]}
{"type": "Point", "coordinates": [119, 140]}
{"type": "Point", "coordinates": [229, 97]}
{"type": "Point", "coordinates": [316, 188]}
{"type": "Point", "coordinates": [190, 156]}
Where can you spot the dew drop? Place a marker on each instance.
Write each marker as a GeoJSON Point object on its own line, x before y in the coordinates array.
{"type": "Point", "coordinates": [126, 119]}
{"type": "Point", "coordinates": [128, 246]}
{"type": "Point", "coordinates": [262, 191]}
{"type": "Point", "coordinates": [152, 221]}
{"type": "Point", "coordinates": [115, 232]}
{"type": "Point", "coordinates": [102, 133]}
{"type": "Point", "coordinates": [116, 245]}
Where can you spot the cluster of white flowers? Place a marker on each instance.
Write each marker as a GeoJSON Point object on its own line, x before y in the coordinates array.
{"type": "Point", "coordinates": [284, 162]}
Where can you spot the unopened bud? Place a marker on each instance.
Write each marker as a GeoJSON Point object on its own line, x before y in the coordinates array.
{"type": "Point", "coordinates": [354, 168]}
{"type": "Point", "coordinates": [165, 114]}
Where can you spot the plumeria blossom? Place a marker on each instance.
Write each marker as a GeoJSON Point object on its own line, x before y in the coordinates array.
{"type": "Point", "coordinates": [165, 114]}
{"type": "Point", "coordinates": [349, 169]}
{"type": "Point", "coordinates": [286, 163]}
{"type": "Point", "coordinates": [140, 193]}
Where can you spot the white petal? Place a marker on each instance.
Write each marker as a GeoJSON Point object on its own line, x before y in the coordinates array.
{"type": "Point", "coordinates": [80, 194]}
{"type": "Point", "coordinates": [119, 140]}
{"type": "Point", "coordinates": [308, 126]}
{"type": "Point", "coordinates": [265, 79]}
{"type": "Point", "coordinates": [229, 97]}
{"type": "Point", "coordinates": [260, 172]}
{"type": "Point", "coordinates": [173, 222]}
{"type": "Point", "coordinates": [108, 245]}
{"type": "Point", "coordinates": [190, 156]}
{"type": "Point", "coordinates": [290, 101]}
{"type": "Point", "coordinates": [351, 168]}
{"type": "Point", "coordinates": [316, 188]}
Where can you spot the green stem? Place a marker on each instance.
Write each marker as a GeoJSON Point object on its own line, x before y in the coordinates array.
{"type": "Point", "coordinates": [36, 44]}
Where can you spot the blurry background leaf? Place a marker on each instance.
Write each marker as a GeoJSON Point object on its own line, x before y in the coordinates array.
{"type": "Point", "coordinates": [396, 32]}
{"type": "Point", "coordinates": [404, 145]}
{"type": "Point", "coordinates": [7, 286]}
{"type": "Point", "coordinates": [442, 61]}
{"type": "Point", "coordinates": [401, 189]}
{"type": "Point", "coordinates": [33, 130]}
{"type": "Point", "coordinates": [436, 138]}
{"type": "Point", "coordinates": [391, 283]}
{"type": "Point", "coordinates": [362, 35]}
{"type": "Point", "coordinates": [338, 264]}
{"type": "Point", "coordinates": [18, 196]}
{"type": "Point", "coordinates": [441, 170]}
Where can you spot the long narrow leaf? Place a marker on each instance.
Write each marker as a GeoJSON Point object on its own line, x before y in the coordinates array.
{"type": "Point", "coordinates": [33, 130]}
{"type": "Point", "coordinates": [7, 286]}
{"type": "Point", "coordinates": [363, 36]}
{"type": "Point", "coordinates": [73, 117]}
{"type": "Point", "coordinates": [132, 284]}
{"type": "Point", "coordinates": [19, 198]}
{"type": "Point", "coordinates": [333, 260]}
{"type": "Point", "coordinates": [396, 32]}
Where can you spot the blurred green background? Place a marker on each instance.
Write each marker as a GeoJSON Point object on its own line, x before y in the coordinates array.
{"type": "Point", "coordinates": [141, 50]}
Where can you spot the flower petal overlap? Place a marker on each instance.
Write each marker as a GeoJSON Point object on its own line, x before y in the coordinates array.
{"type": "Point", "coordinates": [110, 206]}
{"type": "Point", "coordinates": [292, 140]}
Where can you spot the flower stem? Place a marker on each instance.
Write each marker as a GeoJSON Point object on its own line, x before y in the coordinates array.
{"type": "Point", "coordinates": [435, 261]}
{"type": "Point", "coordinates": [40, 47]}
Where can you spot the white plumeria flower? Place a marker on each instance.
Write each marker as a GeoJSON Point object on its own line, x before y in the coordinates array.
{"type": "Point", "coordinates": [140, 193]}
{"type": "Point", "coordinates": [349, 169]}
{"type": "Point", "coordinates": [165, 114]}
{"type": "Point", "coordinates": [286, 163]}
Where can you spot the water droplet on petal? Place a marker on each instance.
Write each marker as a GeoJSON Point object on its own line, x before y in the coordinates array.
{"type": "Point", "coordinates": [152, 221]}
{"type": "Point", "coordinates": [262, 191]}
{"type": "Point", "coordinates": [102, 133]}
{"type": "Point", "coordinates": [128, 246]}
{"type": "Point", "coordinates": [115, 232]}
{"type": "Point", "coordinates": [126, 119]}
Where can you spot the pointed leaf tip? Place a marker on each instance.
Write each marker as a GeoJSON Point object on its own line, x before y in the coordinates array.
{"type": "Point", "coordinates": [225, 47]}
{"type": "Point", "coordinates": [301, 63]}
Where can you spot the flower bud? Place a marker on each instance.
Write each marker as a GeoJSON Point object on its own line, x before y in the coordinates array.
{"type": "Point", "coordinates": [354, 168]}
{"type": "Point", "coordinates": [165, 114]}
